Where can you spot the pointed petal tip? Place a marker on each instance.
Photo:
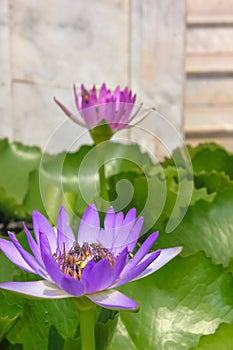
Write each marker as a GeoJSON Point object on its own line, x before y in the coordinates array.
{"type": "Point", "coordinates": [136, 309]}
{"type": "Point", "coordinates": [130, 216]}
{"type": "Point", "coordinates": [133, 210]}
{"type": "Point", "coordinates": [91, 206]}
{"type": "Point", "coordinates": [62, 210]}
{"type": "Point", "coordinates": [173, 251]}
{"type": "Point", "coordinates": [59, 103]}
{"type": "Point", "coordinates": [110, 210]}
{"type": "Point", "coordinates": [89, 225]}
{"type": "Point", "coordinates": [37, 215]}
{"type": "Point", "coordinates": [35, 212]}
{"type": "Point", "coordinates": [24, 225]}
{"type": "Point", "coordinates": [70, 114]}
{"type": "Point", "coordinates": [38, 289]}
{"type": "Point", "coordinates": [91, 209]}
{"type": "Point", "coordinates": [156, 234]}
{"type": "Point", "coordinates": [11, 235]}
{"type": "Point", "coordinates": [153, 236]}
{"type": "Point", "coordinates": [163, 258]}
{"type": "Point", "coordinates": [179, 249]}
{"type": "Point", "coordinates": [141, 219]}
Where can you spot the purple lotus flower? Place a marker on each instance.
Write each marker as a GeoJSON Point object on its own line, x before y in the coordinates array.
{"type": "Point", "coordinates": [93, 265]}
{"type": "Point", "coordinates": [114, 108]}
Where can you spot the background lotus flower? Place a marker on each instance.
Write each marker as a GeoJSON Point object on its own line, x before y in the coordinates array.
{"type": "Point", "coordinates": [114, 108]}
{"type": "Point", "coordinates": [93, 265]}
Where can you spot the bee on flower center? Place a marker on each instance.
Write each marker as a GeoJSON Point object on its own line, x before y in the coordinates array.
{"type": "Point", "coordinates": [73, 262]}
{"type": "Point", "coordinates": [97, 258]}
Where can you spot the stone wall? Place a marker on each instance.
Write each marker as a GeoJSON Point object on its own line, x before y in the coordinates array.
{"type": "Point", "coordinates": [46, 46]}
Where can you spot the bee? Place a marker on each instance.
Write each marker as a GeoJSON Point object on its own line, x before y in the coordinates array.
{"type": "Point", "coordinates": [86, 96]}
{"type": "Point", "coordinates": [130, 255]}
{"type": "Point", "coordinates": [97, 258]}
{"type": "Point", "coordinates": [96, 245]}
{"type": "Point", "coordinates": [76, 247]}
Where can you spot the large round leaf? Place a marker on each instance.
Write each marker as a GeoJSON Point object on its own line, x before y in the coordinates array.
{"type": "Point", "coordinates": [17, 161]}
{"type": "Point", "coordinates": [207, 226]}
{"type": "Point", "coordinates": [220, 340]}
{"type": "Point", "coordinates": [187, 298]}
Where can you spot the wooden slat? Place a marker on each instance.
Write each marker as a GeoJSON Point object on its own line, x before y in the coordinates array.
{"type": "Point", "coordinates": [209, 6]}
{"type": "Point", "coordinates": [209, 131]}
{"type": "Point", "coordinates": [209, 90]}
{"type": "Point", "coordinates": [208, 110]}
{"type": "Point", "coordinates": [209, 19]}
{"type": "Point", "coordinates": [209, 40]}
{"type": "Point", "coordinates": [201, 116]}
{"type": "Point", "coordinates": [207, 64]}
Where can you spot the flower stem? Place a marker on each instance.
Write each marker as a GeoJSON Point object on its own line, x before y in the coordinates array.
{"type": "Point", "coordinates": [87, 329]}
{"type": "Point", "coordinates": [87, 322]}
{"type": "Point", "coordinates": [52, 200]}
{"type": "Point", "coordinates": [100, 149]}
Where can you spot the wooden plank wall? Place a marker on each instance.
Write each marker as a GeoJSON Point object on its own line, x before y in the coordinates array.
{"type": "Point", "coordinates": [208, 101]}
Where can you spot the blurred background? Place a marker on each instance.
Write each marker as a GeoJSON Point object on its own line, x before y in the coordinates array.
{"type": "Point", "coordinates": [176, 55]}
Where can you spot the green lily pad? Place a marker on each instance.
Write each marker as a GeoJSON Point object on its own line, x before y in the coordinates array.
{"type": "Point", "coordinates": [55, 340]}
{"type": "Point", "coordinates": [160, 198]}
{"type": "Point", "coordinates": [8, 269]}
{"type": "Point", "coordinates": [6, 345]}
{"type": "Point", "coordinates": [78, 172]}
{"type": "Point", "coordinates": [17, 161]}
{"type": "Point", "coordinates": [187, 298]}
{"type": "Point", "coordinates": [219, 160]}
{"type": "Point", "coordinates": [33, 329]}
{"type": "Point", "coordinates": [221, 339]}
{"type": "Point", "coordinates": [9, 314]}
{"type": "Point", "coordinates": [207, 227]}
{"type": "Point", "coordinates": [205, 157]}
{"type": "Point", "coordinates": [213, 181]}
{"type": "Point", "coordinates": [9, 207]}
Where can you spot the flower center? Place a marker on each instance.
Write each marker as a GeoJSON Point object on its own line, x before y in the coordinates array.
{"type": "Point", "coordinates": [72, 262]}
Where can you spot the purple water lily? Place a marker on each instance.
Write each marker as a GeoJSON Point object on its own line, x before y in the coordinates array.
{"type": "Point", "coordinates": [92, 265]}
{"type": "Point", "coordinates": [114, 108]}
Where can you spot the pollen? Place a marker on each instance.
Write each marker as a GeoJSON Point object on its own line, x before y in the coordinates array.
{"type": "Point", "coordinates": [73, 261]}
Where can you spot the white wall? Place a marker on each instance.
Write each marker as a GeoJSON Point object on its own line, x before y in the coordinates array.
{"type": "Point", "coordinates": [46, 46]}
